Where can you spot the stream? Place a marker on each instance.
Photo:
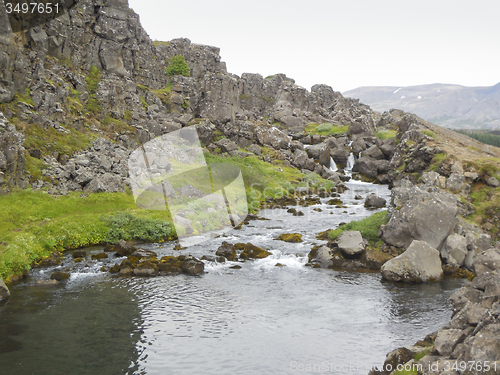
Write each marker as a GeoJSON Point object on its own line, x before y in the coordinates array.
{"type": "Point", "coordinates": [260, 319]}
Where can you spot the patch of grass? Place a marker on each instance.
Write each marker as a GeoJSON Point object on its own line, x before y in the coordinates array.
{"type": "Point", "coordinates": [35, 224]}
{"type": "Point", "coordinates": [34, 166]}
{"type": "Point", "coordinates": [267, 99]}
{"type": "Point", "coordinates": [429, 133]}
{"type": "Point", "coordinates": [243, 97]}
{"type": "Point", "coordinates": [144, 103]}
{"type": "Point", "coordinates": [326, 129]}
{"type": "Point", "coordinates": [368, 227]}
{"type": "Point", "coordinates": [386, 134]}
{"type": "Point", "coordinates": [270, 77]}
{"type": "Point", "coordinates": [262, 180]}
{"type": "Point", "coordinates": [49, 140]}
{"type": "Point", "coordinates": [25, 98]}
{"type": "Point", "coordinates": [405, 372]}
{"type": "Point", "coordinates": [436, 160]}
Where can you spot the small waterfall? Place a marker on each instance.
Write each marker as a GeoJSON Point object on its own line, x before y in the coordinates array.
{"type": "Point", "coordinates": [333, 166]}
{"type": "Point", "coordinates": [349, 165]}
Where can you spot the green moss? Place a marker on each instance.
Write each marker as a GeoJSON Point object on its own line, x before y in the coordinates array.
{"type": "Point", "coordinates": [368, 227]}
{"type": "Point", "coordinates": [93, 78]}
{"type": "Point", "coordinates": [185, 105]}
{"type": "Point", "coordinates": [326, 129]}
{"type": "Point", "coordinates": [436, 160]}
{"type": "Point", "coordinates": [127, 115]}
{"type": "Point", "coordinates": [270, 77]}
{"type": "Point", "coordinates": [262, 180]}
{"type": "Point", "coordinates": [49, 140]}
{"type": "Point", "coordinates": [243, 97]}
{"type": "Point", "coordinates": [144, 103]}
{"type": "Point", "coordinates": [430, 133]}
{"type": "Point", "coordinates": [25, 98]}
{"type": "Point", "coordinates": [386, 134]}
{"type": "Point", "coordinates": [267, 99]}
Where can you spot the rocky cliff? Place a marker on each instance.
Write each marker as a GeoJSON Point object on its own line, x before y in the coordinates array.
{"type": "Point", "coordinates": [95, 73]}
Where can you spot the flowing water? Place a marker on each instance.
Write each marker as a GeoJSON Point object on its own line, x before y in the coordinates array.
{"type": "Point", "coordinates": [260, 319]}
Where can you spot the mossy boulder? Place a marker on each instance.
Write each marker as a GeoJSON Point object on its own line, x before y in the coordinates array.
{"type": "Point", "coordinates": [290, 237]}
{"type": "Point", "coordinates": [334, 202]}
{"type": "Point", "coordinates": [99, 256]}
{"type": "Point", "coordinates": [227, 250]}
{"type": "Point", "coordinates": [253, 252]}
{"type": "Point", "coordinates": [79, 254]}
{"type": "Point", "coordinates": [123, 248]}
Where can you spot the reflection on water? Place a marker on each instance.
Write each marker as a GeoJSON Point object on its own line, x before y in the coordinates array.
{"type": "Point", "coordinates": [84, 329]}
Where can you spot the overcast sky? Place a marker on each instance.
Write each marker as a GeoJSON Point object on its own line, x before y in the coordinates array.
{"type": "Point", "coordinates": [342, 43]}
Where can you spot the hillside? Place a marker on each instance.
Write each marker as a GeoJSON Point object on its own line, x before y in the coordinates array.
{"type": "Point", "coordinates": [451, 106]}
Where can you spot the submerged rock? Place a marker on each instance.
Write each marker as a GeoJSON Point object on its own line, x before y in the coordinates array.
{"type": "Point", "coordinates": [251, 251]}
{"type": "Point", "coordinates": [290, 237]}
{"type": "Point", "coordinates": [4, 291]}
{"type": "Point", "coordinates": [419, 263]}
{"type": "Point", "coordinates": [59, 276]}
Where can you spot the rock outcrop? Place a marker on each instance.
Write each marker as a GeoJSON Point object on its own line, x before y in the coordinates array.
{"type": "Point", "coordinates": [420, 214]}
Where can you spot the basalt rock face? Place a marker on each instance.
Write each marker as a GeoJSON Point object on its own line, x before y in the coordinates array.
{"type": "Point", "coordinates": [95, 71]}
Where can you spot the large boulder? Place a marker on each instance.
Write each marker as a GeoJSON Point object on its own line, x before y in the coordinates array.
{"type": "Point", "coordinates": [302, 161]}
{"type": "Point", "coordinates": [350, 243]}
{"type": "Point", "coordinates": [123, 248]}
{"type": "Point", "coordinates": [340, 156]}
{"type": "Point", "coordinates": [366, 166]}
{"type": "Point", "coordinates": [192, 266]}
{"type": "Point", "coordinates": [419, 263]}
{"type": "Point", "coordinates": [227, 250]}
{"type": "Point", "coordinates": [454, 250]}
{"type": "Point", "coordinates": [374, 152]}
{"type": "Point", "coordinates": [426, 215]}
{"type": "Point", "coordinates": [374, 201]}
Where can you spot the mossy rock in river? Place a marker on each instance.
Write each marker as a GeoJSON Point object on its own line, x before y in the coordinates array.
{"type": "Point", "coordinates": [227, 250]}
{"type": "Point", "coordinates": [290, 237]}
{"type": "Point", "coordinates": [59, 276]}
{"type": "Point", "coordinates": [334, 202]}
{"type": "Point", "coordinates": [253, 252]}
{"type": "Point", "coordinates": [99, 256]}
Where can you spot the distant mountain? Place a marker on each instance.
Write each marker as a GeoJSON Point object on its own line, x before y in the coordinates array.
{"type": "Point", "coordinates": [452, 106]}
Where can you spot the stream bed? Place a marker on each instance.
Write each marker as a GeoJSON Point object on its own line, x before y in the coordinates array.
{"type": "Point", "coordinates": [260, 319]}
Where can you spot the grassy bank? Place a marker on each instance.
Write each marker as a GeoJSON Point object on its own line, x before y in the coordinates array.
{"type": "Point", "coordinates": [35, 224]}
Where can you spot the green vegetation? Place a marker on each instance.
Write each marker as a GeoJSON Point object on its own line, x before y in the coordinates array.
{"type": "Point", "coordinates": [262, 180]}
{"type": "Point", "coordinates": [92, 79]}
{"type": "Point", "coordinates": [418, 356]}
{"type": "Point", "coordinates": [49, 140]}
{"type": "Point", "coordinates": [267, 99]}
{"type": "Point", "coordinates": [430, 133]}
{"type": "Point", "coordinates": [436, 160]}
{"type": "Point", "coordinates": [368, 227]}
{"type": "Point", "coordinates": [178, 66]}
{"type": "Point", "coordinates": [26, 98]}
{"type": "Point", "coordinates": [386, 134]}
{"type": "Point", "coordinates": [128, 227]}
{"type": "Point", "coordinates": [483, 137]}
{"type": "Point", "coordinates": [326, 129]}
{"type": "Point", "coordinates": [35, 224]}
